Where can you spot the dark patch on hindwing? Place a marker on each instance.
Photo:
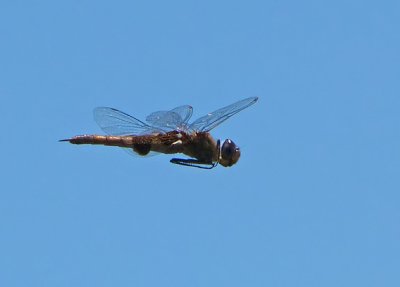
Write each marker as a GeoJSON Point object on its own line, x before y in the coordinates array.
{"type": "Point", "coordinates": [142, 149]}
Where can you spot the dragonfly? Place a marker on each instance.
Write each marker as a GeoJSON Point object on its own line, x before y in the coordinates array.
{"type": "Point", "coordinates": [168, 132]}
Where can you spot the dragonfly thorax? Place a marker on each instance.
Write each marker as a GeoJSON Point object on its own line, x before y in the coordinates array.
{"type": "Point", "coordinates": [230, 153]}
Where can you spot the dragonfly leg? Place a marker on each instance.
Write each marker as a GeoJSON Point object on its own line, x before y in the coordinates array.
{"type": "Point", "coordinates": [194, 163]}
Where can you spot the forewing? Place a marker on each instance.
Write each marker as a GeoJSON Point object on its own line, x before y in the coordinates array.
{"type": "Point", "coordinates": [211, 120]}
{"type": "Point", "coordinates": [115, 122]}
{"type": "Point", "coordinates": [176, 118]}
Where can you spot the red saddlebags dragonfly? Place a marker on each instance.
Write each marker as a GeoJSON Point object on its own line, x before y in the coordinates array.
{"type": "Point", "coordinates": [169, 132]}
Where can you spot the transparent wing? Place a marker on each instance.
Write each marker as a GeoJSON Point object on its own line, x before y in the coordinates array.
{"type": "Point", "coordinates": [131, 152]}
{"type": "Point", "coordinates": [211, 120]}
{"type": "Point", "coordinates": [176, 118]}
{"type": "Point", "coordinates": [115, 122]}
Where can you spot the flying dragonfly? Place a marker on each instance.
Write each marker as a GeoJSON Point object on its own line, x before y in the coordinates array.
{"type": "Point", "coordinates": [169, 132]}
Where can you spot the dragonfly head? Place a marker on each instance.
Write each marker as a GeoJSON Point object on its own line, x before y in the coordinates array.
{"type": "Point", "coordinates": [230, 153]}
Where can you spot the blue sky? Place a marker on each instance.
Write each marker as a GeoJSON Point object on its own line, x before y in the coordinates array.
{"type": "Point", "coordinates": [314, 200]}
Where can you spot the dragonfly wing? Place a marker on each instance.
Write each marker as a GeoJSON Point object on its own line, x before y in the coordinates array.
{"type": "Point", "coordinates": [185, 112]}
{"type": "Point", "coordinates": [211, 120]}
{"type": "Point", "coordinates": [176, 118]}
{"type": "Point", "coordinates": [115, 122]}
{"type": "Point", "coordinates": [135, 154]}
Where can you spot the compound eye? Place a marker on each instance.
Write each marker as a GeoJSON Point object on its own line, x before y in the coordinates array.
{"type": "Point", "coordinates": [228, 149]}
{"type": "Point", "coordinates": [230, 153]}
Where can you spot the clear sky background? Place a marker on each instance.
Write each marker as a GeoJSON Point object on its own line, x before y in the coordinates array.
{"type": "Point", "coordinates": [314, 200]}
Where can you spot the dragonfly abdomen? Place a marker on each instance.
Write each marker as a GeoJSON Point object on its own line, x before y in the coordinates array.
{"type": "Point", "coordinates": [140, 144]}
{"type": "Point", "coordinates": [121, 141]}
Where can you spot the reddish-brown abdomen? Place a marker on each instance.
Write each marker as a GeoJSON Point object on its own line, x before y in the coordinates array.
{"type": "Point", "coordinates": [126, 141]}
